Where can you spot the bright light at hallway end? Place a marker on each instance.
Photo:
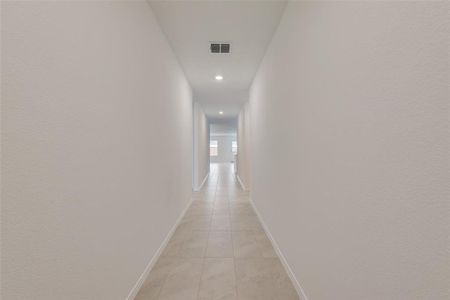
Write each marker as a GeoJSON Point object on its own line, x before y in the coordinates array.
{"type": "Point", "coordinates": [220, 112]}
{"type": "Point", "coordinates": [219, 77]}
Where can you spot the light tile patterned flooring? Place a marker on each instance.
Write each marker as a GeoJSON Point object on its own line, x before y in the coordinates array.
{"type": "Point", "coordinates": [219, 251]}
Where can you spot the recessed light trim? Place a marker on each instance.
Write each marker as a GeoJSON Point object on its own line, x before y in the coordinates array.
{"type": "Point", "coordinates": [219, 77]}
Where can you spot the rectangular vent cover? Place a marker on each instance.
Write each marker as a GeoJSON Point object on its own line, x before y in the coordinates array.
{"type": "Point", "coordinates": [224, 48]}
{"type": "Point", "coordinates": [219, 48]}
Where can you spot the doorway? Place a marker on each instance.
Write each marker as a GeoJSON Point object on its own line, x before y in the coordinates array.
{"type": "Point", "coordinates": [223, 142]}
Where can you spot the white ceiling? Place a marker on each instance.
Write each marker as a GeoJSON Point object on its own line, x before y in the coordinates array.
{"type": "Point", "coordinates": [223, 127]}
{"type": "Point", "coordinates": [247, 25]}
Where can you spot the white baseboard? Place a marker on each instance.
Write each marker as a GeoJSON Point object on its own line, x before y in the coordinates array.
{"type": "Point", "coordinates": [241, 183]}
{"type": "Point", "coordinates": [297, 286]}
{"type": "Point", "coordinates": [203, 183]}
{"type": "Point", "coordinates": [134, 291]}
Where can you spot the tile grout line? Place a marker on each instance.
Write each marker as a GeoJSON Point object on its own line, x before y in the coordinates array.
{"type": "Point", "coordinates": [234, 258]}
{"type": "Point", "coordinates": [220, 188]}
{"type": "Point", "coordinates": [207, 243]}
{"type": "Point", "coordinates": [203, 256]}
{"type": "Point", "coordinates": [164, 282]}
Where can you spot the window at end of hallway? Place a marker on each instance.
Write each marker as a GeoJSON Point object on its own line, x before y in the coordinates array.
{"type": "Point", "coordinates": [213, 149]}
{"type": "Point", "coordinates": [234, 147]}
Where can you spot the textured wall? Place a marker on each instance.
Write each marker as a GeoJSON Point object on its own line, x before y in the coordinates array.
{"type": "Point", "coordinates": [96, 146]}
{"type": "Point", "coordinates": [243, 139]}
{"type": "Point", "coordinates": [350, 148]}
{"type": "Point", "coordinates": [201, 146]}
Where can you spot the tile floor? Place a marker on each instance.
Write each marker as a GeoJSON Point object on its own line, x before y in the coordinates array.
{"type": "Point", "coordinates": [219, 251]}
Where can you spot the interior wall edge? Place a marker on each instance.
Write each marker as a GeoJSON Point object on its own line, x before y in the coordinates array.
{"type": "Point", "coordinates": [135, 290]}
{"type": "Point", "coordinates": [300, 291]}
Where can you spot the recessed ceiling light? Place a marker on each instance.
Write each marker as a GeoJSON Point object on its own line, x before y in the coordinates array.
{"type": "Point", "coordinates": [221, 112]}
{"type": "Point", "coordinates": [219, 77]}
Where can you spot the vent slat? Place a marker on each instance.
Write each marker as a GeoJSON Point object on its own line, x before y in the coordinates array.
{"type": "Point", "coordinates": [224, 48]}
{"type": "Point", "coordinates": [215, 48]}
{"type": "Point", "coordinates": [218, 47]}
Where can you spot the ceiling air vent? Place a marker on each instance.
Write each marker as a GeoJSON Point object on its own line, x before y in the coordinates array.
{"type": "Point", "coordinates": [224, 48]}
{"type": "Point", "coordinates": [216, 47]}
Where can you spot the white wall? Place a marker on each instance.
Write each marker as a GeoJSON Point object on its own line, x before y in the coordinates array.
{"type": "Point", "coordinates": [349, 148]}
{"type": "Point", "coordinates": [223, 131]}
{"type": "Point", "coordinates": [243, 139]}
{"type": "Point", "coordinates": [90, 187]}
{"type": "Point", "coordinates": [201, 146]}
{"type": "Point", "coordinates": [225, 153]}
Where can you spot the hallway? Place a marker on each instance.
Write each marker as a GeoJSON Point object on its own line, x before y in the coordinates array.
{"type": "Point", "coordinates": [224, 150]}
{"type": "Point", "coordinates": [219, 250]}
